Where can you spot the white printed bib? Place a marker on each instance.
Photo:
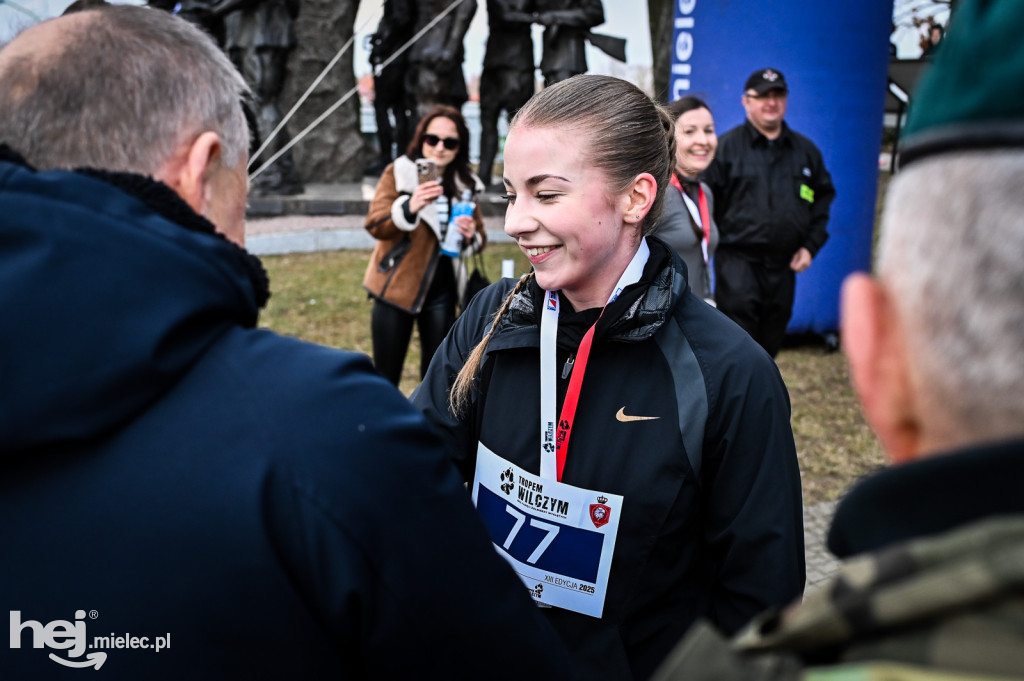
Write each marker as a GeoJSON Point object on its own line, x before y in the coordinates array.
{"type": "Point", "coordinates": [558, 538]}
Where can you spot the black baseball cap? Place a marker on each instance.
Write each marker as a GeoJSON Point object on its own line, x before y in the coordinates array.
{"type": "Point", "coordinates": [763, 80]}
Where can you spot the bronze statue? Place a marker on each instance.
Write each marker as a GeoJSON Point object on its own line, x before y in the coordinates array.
{"type": "Point", "coordinates": [567, 25]}
{"type": "Point", "coordinates": [257, 38]}
{"type": "Point", "coordinates": [435, 60]}
{"type": "Point", "coordinates": [507, 80]}
{"type": "Point", "coordinates": [393, 31]}
{"type": "Point", "coordinates": [198, 12]}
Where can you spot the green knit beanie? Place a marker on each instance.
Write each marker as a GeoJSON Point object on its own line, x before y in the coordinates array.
{"type": "Point", "coordinates": [972, 96]}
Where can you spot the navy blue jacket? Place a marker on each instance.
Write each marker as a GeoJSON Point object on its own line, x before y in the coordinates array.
{"type": "Point", "coordinates": [268, 508]}
{"type": "Point", "coordinates": [712, 519]}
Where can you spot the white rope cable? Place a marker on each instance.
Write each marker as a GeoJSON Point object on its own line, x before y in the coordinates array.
{"type": "Point", "coordinates": [16, 6]}
{"type": "Point", "coordinates": [344, 98]}
{"type": "Point", "coordinates": [309, 90]}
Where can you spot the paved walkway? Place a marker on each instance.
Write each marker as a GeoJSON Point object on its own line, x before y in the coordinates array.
{"type": "Point", "coordinates": [339, 225]}
{"type": "Point", "coordinates": [306, 234]}
{"type": "Point", "coordinates": [330, 217]}
{"type": "Point", "coordinates": [820, 563]}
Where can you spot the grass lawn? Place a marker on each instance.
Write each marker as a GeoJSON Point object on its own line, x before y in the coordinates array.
{"type": "Point", "coordinates": [319, 297]}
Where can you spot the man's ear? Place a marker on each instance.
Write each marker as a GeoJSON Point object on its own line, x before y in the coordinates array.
{"type": "Point", "coordinates": [186, 172]}
{"type": "Point", "coordinates": [639, 197]}
{"type": "Point", "coordinates": [875, 348]}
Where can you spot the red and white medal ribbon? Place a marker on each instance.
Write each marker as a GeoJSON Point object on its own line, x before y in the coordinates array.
{"type": "Point", "coordinates": [554, 435]}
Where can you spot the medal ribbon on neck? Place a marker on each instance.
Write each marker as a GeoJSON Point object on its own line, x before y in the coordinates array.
{"type": "Point", "coordinates": [554, 436]}
{"type": "Point", "coordinates": [699, 214]}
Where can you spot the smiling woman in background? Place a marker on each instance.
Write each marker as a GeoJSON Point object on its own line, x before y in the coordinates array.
{"type": "Point", "coordinates": [687, 224]}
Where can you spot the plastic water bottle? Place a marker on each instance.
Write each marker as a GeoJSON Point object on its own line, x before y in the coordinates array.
{"type": "Point", "coordinates": [465, 206]}
{"type": "Point", "coordinates": [452, 245]}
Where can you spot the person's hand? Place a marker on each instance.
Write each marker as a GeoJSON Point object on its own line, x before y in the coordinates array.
{"type": "Point", "coordinates": [801, 260]}
{"type": "Point", "coordinates": [466, 226]}
{"type": "Point", "coordinates": [445, 59]}
{"type": "Point", "coordinates": [543, 18]}
{"type": "Point", "coordinates": [437, 57]}
{"type": "Point", "coordinates": [424, 195]}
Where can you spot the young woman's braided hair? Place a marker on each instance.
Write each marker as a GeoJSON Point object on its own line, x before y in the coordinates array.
{"type": "Point", "coordinates": [626, 134]}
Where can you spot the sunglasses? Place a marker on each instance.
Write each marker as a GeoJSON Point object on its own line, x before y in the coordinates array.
{"type": "Point", "coordinates": [450, 143]}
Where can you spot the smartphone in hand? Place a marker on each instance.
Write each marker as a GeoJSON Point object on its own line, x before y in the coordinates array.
{"type": "Point", "coordinates": [426, 170]}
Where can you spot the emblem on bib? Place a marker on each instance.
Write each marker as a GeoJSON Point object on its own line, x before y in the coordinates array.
{"type": "Point", "coordinates": [507, 481]}
{"type": "Point", "coordinates": [599, 513]}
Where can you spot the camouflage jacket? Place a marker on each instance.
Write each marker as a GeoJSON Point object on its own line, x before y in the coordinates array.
{"type": "Point", "coordinates": [947, 605]}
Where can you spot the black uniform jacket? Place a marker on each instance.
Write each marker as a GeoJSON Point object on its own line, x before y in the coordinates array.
{"type": "Point", "coordinates": [771, 197]}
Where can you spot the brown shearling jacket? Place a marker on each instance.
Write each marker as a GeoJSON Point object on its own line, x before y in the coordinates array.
{"type": "Point", "coordinates": [407, 254]}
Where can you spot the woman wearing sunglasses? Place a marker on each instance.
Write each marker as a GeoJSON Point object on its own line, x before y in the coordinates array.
{"type": "Point", "coordinates": [408, 277]}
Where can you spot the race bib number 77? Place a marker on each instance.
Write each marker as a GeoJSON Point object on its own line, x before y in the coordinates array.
{"type": "Point", "coordinates": [558, 538]}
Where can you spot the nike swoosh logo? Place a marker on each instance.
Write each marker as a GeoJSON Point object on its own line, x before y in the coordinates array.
{"type": "Point", "coordinates": [621, 415]}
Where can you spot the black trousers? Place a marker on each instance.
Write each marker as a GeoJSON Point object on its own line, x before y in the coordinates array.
{"type": "Point", "coordinates": [391, 327]}
{"type": "Point", "coordinates": [756, 293]}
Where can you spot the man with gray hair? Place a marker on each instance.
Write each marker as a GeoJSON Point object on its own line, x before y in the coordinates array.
{"type": "Point", "coordinates": [183, 495]}
{"type": "Point", "coordinates": [934, 582]}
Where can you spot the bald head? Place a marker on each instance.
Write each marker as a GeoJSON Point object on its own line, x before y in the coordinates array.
{"type": "Point", "coordinates": [119, 88]}
{"type": "Point", "coordinates": [935, 343]}
{"type": "Point", "coordinates": [44, 40]}
{"type": "Point", "coordinates": [32, 52]}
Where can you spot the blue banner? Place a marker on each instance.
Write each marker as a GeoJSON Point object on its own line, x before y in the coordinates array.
{"type": "Point", "coordinates": [835, 58]}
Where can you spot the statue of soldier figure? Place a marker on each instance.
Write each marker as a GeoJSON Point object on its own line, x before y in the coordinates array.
{"type": "Point", "coordinates": [507, 80]}
{"type": "Point", "coordinates": [435, 60]}
{"type": "Point", "coordinates": [257, 38]}
{"type": "Point", "coordinates": [393, 31]}
{"type": "Point", "coordinates": [198, 12]}
{"type": "Point", "coordinates": [567, 25]}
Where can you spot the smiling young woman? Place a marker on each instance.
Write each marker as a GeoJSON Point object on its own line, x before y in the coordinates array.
{"type": "Point", "coordinates": [627, 446]}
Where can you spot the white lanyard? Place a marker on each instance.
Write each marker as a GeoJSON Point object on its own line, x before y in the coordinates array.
{"type": "Point", "coordinates": [548, 338]}
{"type": "Point", "coordinates": [694, 210]}
{"type": "Point", "coordinates": [695, 214]}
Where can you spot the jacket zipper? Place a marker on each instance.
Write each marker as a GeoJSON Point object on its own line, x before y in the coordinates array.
{"type": "Point", "coordinates": [567, 369]}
